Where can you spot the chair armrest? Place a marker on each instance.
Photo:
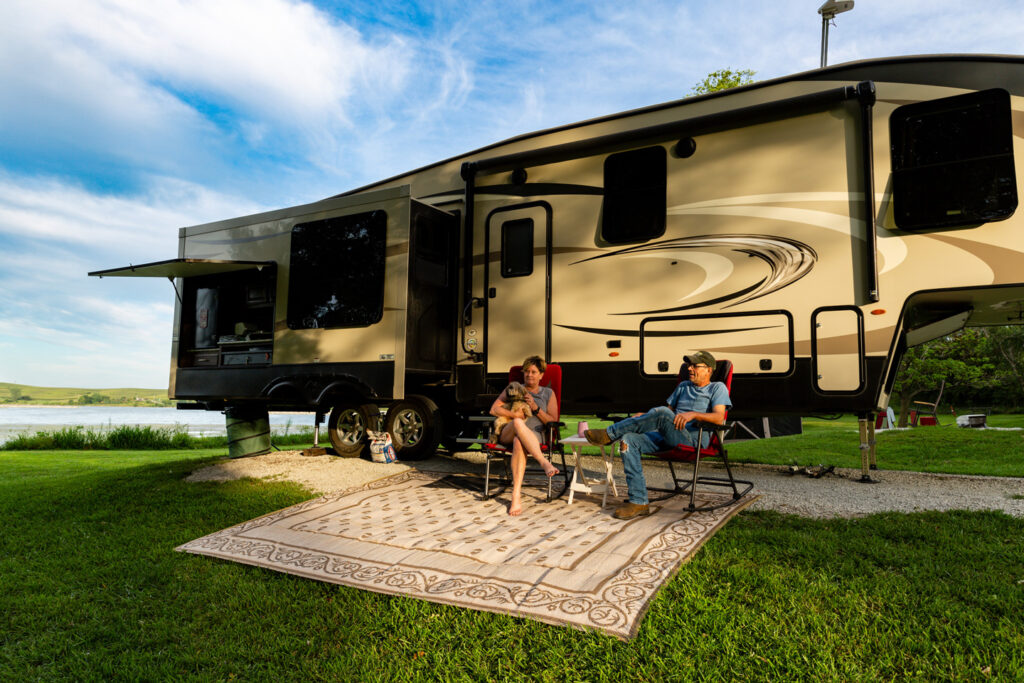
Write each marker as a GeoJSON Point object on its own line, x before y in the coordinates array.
{"type": "Point", "coordinates": [715, 426]}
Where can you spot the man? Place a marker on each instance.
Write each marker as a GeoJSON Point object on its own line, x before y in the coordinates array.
{"type": "Point", "coordinates": [697, 398]}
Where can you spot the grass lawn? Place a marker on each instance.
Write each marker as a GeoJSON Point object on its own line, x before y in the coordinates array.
{"type": "Point", "coordinates": [90, 589]}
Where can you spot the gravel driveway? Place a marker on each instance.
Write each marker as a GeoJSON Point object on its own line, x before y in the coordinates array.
{"type": "Point", "coordinates": [838, 494]}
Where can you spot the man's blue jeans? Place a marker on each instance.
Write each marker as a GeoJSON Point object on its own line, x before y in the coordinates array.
{"type": "Point", "coordinates": [633, 432]}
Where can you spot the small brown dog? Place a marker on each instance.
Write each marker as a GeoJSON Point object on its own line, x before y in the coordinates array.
{"type": "Point", "coordinates": [516, 395]}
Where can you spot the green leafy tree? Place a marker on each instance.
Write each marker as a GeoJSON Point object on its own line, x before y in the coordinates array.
{"type": "Point", "coordinates": [723, 79]}
{"type": "Point", "coordinates": [1005, 345]}
{"type": "Point", "coordinates": [15, 393]}
{"type": "Point", "coordinates": [957, 358]}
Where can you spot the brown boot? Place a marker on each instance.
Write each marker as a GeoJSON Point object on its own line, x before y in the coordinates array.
{"type": "Point", "coordinates": [598, 437]}
{"type": "Point", "coordinates": [631, 510]}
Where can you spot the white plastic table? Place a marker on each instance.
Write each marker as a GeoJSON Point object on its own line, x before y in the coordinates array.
{"type": "Point", "coordinates": [584, 484]}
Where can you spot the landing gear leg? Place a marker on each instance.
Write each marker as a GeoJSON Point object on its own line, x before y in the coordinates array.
{"type": "Point", "coordinates": [867, 446]}
{"type": "Point", "coordinates": [316, 449]}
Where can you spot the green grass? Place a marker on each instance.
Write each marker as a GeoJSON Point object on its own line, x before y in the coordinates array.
{"type": "Point", "coordinates": [135, 437]}
{"type": "Point", "coordinates": [90, 589]}
{"type": "Point", "coordinates": [28, 394]}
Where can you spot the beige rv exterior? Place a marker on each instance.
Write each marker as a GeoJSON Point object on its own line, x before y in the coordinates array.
{"type": "Point", "coordinates": [781, 249]}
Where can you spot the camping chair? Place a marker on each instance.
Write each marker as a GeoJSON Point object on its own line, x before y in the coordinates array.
{"type": "Point", "coordinates": [927, 414]}
{"type": "Point", "coordinates": [550, 440]}
{"type": "Point", "coordinates": [714, 449]}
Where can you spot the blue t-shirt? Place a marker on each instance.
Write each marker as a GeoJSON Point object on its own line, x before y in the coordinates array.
{"type": "Point", "coordinates": [688, 397]}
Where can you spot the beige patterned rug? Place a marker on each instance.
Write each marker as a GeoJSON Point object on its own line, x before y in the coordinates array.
{"type": "Point", "coordinates": [431, 536]}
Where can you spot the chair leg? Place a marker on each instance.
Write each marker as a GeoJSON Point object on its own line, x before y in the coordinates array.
{"type": "Point", "coordinates": [487, 477]}
{"type": "Point", "coordinates": [693, 484]}
{"type": "Point", "coordinates": [732, 480]}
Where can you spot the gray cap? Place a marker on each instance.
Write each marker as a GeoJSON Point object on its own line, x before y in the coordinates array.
{"type": "Point", "coordinates": [700, 357]}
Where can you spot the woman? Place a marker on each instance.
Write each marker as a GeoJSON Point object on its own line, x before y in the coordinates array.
{"type": "Point", "coordinates": [523, 433]}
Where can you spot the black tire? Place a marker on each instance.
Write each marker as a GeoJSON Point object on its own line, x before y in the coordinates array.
{"type": "Point", "coordinates": [347, 427]}
{"type": "Point", "coordinates": [415, 427]}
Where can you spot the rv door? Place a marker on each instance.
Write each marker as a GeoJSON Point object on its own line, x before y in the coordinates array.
{"type": "Point", "coordinates": [517, 285]}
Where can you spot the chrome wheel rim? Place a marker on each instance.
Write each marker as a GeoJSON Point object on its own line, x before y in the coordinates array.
{"type": "Point", "coordinates": [350, 427]}
{"type": "Point", "coordinates": [408, 427]}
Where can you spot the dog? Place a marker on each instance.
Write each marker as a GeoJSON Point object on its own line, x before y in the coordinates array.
{"type": "Point", "coordinates": [516, 395]}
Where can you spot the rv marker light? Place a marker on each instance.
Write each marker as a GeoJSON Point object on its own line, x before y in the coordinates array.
{"type": "Point", "coordinates": [878, 311]}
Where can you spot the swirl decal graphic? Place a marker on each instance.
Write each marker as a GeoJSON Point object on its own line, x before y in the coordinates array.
{"type": "Point", "coordinates": [788, 260]}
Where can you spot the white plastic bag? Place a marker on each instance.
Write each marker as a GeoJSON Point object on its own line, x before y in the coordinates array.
{"type": "Point", "coordinates": [381, 448]}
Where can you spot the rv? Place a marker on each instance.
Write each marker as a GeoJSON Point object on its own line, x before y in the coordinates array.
{"type": "Point", "coordinates": [808, 228]}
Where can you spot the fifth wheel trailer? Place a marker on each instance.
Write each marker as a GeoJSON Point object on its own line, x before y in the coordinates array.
{"type": "Point", "coordinates": [809, 228]}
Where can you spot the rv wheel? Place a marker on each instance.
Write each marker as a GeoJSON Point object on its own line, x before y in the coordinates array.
{"type": "Point", "coordinates": [415, 426]}
{"type": "Point", "coordinates": [347, 427]}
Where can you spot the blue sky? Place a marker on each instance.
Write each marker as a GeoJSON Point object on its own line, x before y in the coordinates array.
{"type": "Point", "coordinates": [121, 121]}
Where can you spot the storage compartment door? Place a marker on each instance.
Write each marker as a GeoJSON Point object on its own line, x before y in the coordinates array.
{"type": "Point", "coordinates": [756, 343]}
{"type": "Point", "coordinates": [837, 336]}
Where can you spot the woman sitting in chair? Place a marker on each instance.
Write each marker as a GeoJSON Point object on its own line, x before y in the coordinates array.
{"type": "Point", "coordinates": [523, 431]}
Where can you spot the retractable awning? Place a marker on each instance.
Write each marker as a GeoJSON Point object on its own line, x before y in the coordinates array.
{"type": "Point", "coordinates": [181, 267]}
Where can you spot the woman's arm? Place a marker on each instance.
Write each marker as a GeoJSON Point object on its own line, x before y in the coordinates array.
{"type": "Point", "coordinates": [549, 415]}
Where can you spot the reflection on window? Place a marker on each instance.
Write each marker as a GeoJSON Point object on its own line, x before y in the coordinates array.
{"type": "Point", "coordinates": [337, 272]}
{"type": "Point", "coordinates": [952, 161]}
{"type": "Point", "coordinates": [517, 247]}
{"type": "Point", "coordinates": [634, 195]}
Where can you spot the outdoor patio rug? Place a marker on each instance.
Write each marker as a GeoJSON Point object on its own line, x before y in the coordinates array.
{"type": "Point", "coordinates": [431, 536]}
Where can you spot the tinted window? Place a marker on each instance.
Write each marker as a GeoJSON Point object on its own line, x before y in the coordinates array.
{"type": "Point", "coordinates": [337, 272]}
{"type": "Point", "coordinates": [952, 161]}
{"type": "Point", "coordinates": [517, 247]}
{"type": "Point", "coordinates": [634, 195]}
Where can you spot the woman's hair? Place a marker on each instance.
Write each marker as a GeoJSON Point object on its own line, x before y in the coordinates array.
{"type": "Point", "coordinates": [537, 362]}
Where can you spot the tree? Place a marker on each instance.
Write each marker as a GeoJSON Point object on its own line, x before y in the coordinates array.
{"type": "Point", "coordinates": [723, 79]}
{"type": "Point", "coordinates": [15, 393]}
{"type": "Point", "coordinates": [1006, 348]}
{"type": "Point", "coordinates": [957, 358]}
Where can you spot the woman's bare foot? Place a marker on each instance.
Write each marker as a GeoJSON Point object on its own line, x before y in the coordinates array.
{"type": "Point", "coordinates": [549, 469]}
{"type": "Point", "coordinates": [516, 508]}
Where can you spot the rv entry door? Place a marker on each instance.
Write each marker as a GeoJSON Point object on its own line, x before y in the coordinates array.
{"type": "Point", "coordinates": [518, 285]}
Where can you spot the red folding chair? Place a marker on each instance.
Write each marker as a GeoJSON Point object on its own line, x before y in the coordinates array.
{"type": "Point", "coordinates": [550, 440]}
{"type": "Point", "coordinates": [714, 449]}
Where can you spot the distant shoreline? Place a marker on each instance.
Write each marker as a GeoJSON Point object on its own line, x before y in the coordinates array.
{"type": "Point", "coordinates": [80, 405]}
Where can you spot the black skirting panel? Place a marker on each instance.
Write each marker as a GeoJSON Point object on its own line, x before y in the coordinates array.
{"type": "Point", "coordinates": [285, 385]}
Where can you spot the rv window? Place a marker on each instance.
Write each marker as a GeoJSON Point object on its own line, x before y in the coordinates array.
{"type": "Point", "coordinates": [517, 247]}
{"type": "Point", "coordinates": [337, 272]}
{"type": "Point", "coordinates": [952, 161]}
{"type": "Point", "coordinates": [634, 196]}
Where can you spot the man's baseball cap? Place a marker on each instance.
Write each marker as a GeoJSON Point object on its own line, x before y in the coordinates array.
{"type": "Point", "coordinates": [700, 357]}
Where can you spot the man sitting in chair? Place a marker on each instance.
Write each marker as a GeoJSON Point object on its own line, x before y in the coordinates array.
{"type": "Point", "coordinates": [697, 398]}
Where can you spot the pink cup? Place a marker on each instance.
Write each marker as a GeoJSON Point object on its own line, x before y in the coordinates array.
{"type": "Point", "coordinates": [581, 427]}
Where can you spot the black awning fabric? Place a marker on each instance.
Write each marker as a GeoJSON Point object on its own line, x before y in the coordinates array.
{"type": "Point", "coordinates": [181, 267]}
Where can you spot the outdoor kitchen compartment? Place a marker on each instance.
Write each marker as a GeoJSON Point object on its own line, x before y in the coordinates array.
{"type": "Point", "coordinates": [228, 319]}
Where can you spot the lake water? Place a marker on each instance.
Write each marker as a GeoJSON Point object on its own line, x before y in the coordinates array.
{"type": "Point", "coordinates": [19, 419]}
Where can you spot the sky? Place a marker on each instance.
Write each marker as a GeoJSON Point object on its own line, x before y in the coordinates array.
{"type": "Point", "coordinates": [121, 121]}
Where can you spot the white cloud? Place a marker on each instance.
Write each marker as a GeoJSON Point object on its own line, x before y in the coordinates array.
{"type": "Point", "coordinates": [48, 210]}
{"type": "Point", "coordinates": [280, 58]}
{"type": "Point", "coordinates": [59, 327]}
